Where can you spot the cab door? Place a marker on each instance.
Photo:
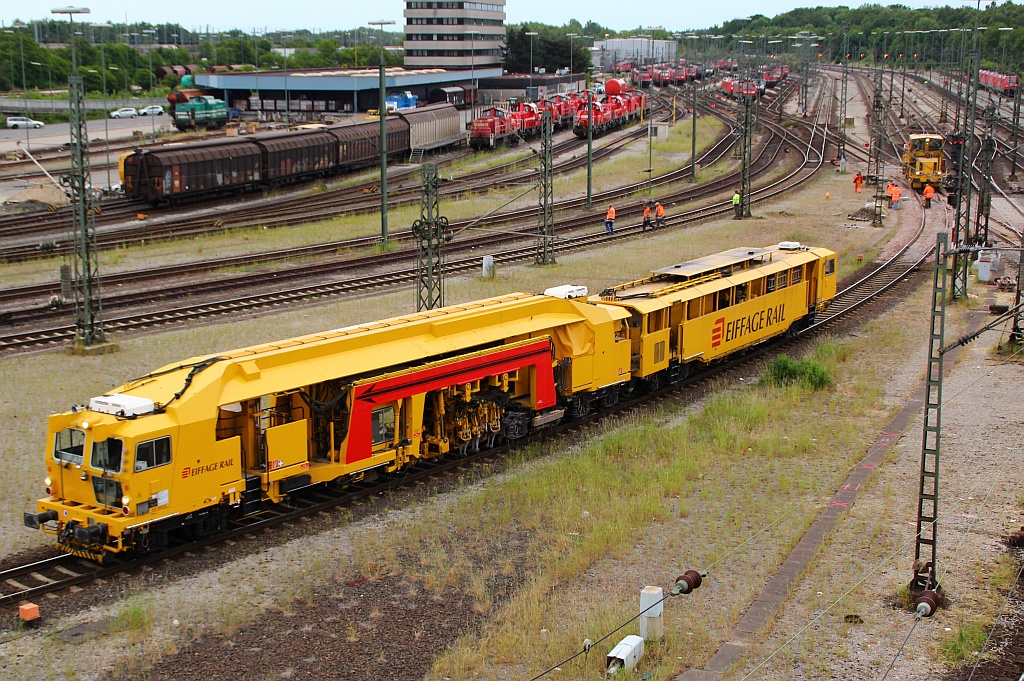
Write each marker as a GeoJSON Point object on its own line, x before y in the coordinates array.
{"type": "Point", "coordinates": [812, 285]}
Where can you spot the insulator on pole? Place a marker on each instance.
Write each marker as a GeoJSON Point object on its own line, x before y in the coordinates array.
{"type": "Point", "coordinates": [927, 603]}
{"type": "Point", "coordinates": [687, 582]}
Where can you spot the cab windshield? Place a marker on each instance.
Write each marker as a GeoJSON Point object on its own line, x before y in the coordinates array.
{"type": "Point", "coordinates": [69, 445]}
{"type": "Point", "coordinates": [106, 455]}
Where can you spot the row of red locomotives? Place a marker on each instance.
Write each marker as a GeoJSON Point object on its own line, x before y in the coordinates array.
{"type": "Point", "coordinates": [1003, 83]}
{"type": "Point", "coordinates": [500, 125]}
{"type": "Point", "coordinates": [619, 106]}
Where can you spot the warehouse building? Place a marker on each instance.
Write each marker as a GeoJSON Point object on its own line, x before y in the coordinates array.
{"type": "Point", "coordinates": [309, 94]}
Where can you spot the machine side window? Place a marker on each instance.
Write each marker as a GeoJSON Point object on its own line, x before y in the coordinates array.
{"type": "Point", "coordinates": [797, 276]}
{"type": "Point", "coordinates": [152, 454]}
{"type": "Point", "coordinates": [693, 309]}
{"type": "Point", "coordinates": [830, 266]}
{"type": "Point", "coordinates": [69, 445]}
{"type": "Point", "coordinates": [741, 293]}
{"type": "Point", "coordinates": [769, 284]}
{"type": "Point", "coordinates": [106, 455]}
{"type": "Point", "coordinates": [656, 321]}
{"type": "Point", "coordinates": [382, 425]}
{"type": "Point", "coordinates": [781, 279]}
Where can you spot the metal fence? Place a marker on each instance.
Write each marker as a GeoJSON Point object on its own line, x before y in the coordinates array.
{"type": "Point", "coordinates": [15, 106]}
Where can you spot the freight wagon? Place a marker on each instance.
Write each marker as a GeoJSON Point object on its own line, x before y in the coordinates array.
{"type": "Point", "coordinates": [188, 446]}
{"type": "Point", "coordinates": [176, 172]}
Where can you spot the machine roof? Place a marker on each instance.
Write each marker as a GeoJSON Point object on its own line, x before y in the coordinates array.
{"type": "Point", "coordinates": [692, 268]}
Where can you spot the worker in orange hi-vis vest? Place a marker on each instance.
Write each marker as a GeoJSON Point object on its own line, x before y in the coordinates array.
{"type": "Point", "coordinates": [609, 220]}
{"type": "Point", "coordinates": [929, 194]}
{"type": "Point", "coordinates": [647, 217]}
{"type": "Point", "coordinates": [896, 194]}
{"type": "Point", "coordinates": [659, 215]}
{"type": "Point", "coordinates": [888, 193]}
{"type": "Point", "coordinates": [858, 181]}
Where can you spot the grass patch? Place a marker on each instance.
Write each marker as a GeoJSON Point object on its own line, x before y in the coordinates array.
{"type": "Point", "coordinates": [965, 642]}
{"type": "Point", "coordinates": [786, 371]}
{"type": "Point", "coordinates": [135, 616]}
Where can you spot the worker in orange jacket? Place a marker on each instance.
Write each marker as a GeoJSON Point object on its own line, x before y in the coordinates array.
{"type": "Point", "coordinates": [609, 220]}
{"type": "Point", "coordinates": [896, 194]}
{"type": "Point", "coordinates": [888, 193]}
{"type": "Point", "coordinates": [858, 181]}
{"type": "Point", "coordinates": [659, 215]}
{"type": "Point", "coordinates": [647, 217]}
{"type": "Point", "coordinates": [929, 194]}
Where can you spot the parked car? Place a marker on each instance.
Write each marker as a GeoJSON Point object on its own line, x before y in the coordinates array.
{"type": "Point", "coordinates": [16, 122]}
{"type": "Point", "coordinates": [152, 110]}
{"type": "Point", "coordinates": [124, 112]}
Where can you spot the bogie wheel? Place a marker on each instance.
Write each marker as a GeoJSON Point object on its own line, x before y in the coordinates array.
{"type": "Point", "coordinates": [579, 408]}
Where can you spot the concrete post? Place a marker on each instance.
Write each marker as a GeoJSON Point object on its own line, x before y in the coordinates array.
{"type": "Point", "coordinates": [652, 625]}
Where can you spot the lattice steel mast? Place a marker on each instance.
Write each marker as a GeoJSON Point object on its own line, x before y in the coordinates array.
{"type": "Point", "coordinates": [876, 162]}
{"type": "Point", "coordinates": [986, 158]}
{"type": "Point", "coordinates": [925, 576]}
{"type": "Point", "coordinates": [431, 232]}
{"type": "Point", "coordinates": [546, 199]}
{"type": "Point", "coordinates": [1014, 135]}
{"type": "Point", "coordinates": [805, 77]}
{"type": "Point", "coordinates": [963, 191]}
{"type": "Point", "coordinates": [86, 266]}
{"type": "Point", "coordinates": [748, 95]}
{"type": "Point", "coordinates": [841, 131]}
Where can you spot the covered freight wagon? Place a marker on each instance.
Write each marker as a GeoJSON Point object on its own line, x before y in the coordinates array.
{"type": "Point", "coordinates": [430, 127]}
{"type": "Point", "coordinates": [201, 167]}
{"type": "Point", "coordinates": [358, 144]}
{"type": "Point", "coordinates": [297, 153]}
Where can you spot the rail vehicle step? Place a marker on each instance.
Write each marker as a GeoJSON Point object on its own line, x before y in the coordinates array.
{"type": "Point", "coordinates": [252, 495]}
{"type": "Point", "coordinates": [416, 156]}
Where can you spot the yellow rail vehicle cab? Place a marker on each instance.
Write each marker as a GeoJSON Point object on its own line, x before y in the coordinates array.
{"type": "Point", "coordinates": [185, 447]}
{"type": "Point", "coordinates": [705, 309]}
{"type": "Point", "coordinates": [924, 161]}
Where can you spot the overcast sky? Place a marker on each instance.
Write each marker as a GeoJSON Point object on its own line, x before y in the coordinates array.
{"type": "Point", "coordinates": [275, 14]}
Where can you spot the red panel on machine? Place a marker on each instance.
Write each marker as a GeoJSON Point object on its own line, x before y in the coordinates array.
{"type": "Point", "coordinates": [502, 360]}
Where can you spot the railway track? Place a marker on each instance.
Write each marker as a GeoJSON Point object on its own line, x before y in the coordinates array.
{"type": "Point", "coordinates": [296, 208]}
{"type": "Point", "coordinates": [336, 266]}
{"type": "Point", "coordinates": [132, 322]}
{"type": "Point", "coordinates": [47, 229]}
{"type": "Point", "coordinates": [27, 294]}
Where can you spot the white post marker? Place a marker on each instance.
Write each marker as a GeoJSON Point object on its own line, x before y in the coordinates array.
{"type": "Point", "coordinates": [652, 622]}
{"type": "Point", "coordinates": [625, 654]}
